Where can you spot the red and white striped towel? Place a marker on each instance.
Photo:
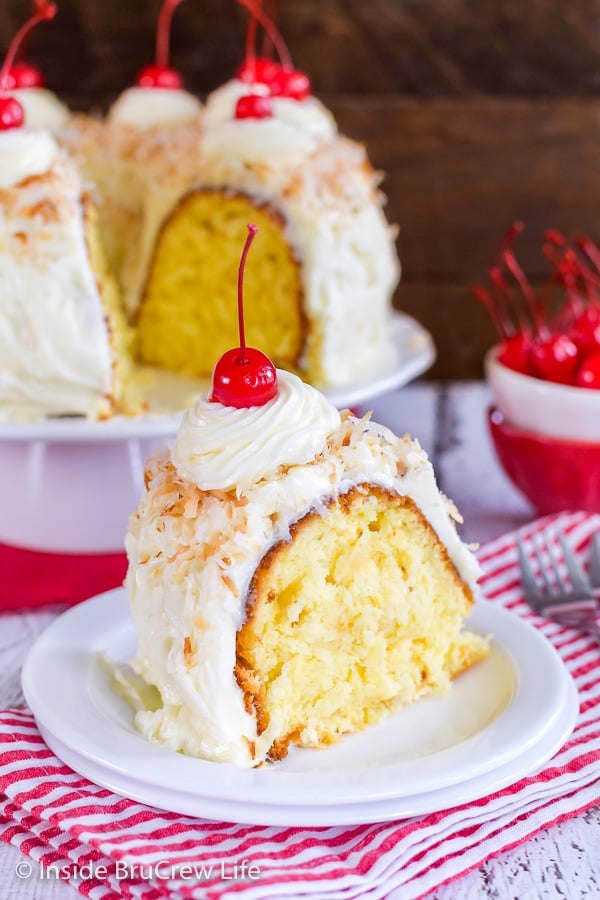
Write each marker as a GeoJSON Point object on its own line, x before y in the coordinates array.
{"type": "Point", "coordinates": [60, 819]}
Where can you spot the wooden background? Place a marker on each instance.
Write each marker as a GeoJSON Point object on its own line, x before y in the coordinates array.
{"type": "Point", "coordinates": [479, 113]}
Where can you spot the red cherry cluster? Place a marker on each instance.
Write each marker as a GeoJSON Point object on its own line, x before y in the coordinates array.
{"type": "Point", "coordinates": [564, 346]}
{"type": "Point", "coordinates": [244, 376]}
{"type": "Point", "coordinates": [14, 76]}
{"type": "Point", "coordinates": [281, 79]}
{"type": "Point", "coordinates": [160, 74]}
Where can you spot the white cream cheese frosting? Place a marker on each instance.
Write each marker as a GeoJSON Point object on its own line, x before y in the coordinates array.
{"type": "Point", "coordinates": [42, 108]}
{"type": "Point", "coordinates": [55, 354]}
{"type": "Point", "coordinates": [25, 153]}
{"type": "Point", "coordinates": [308, 115]}
{"type": "Point", "coordinates": [192, 556]}
{"type": "Point", "coordinates": [259, 141]}
{"type": "Point", "coordinates": [147, 108]}
{"type": "Point", "coordinates": [220, 447]}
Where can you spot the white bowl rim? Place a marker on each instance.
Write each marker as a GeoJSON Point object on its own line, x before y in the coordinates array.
{"type": "Point", "coordinates": [491, 359]}
{"type": "Point", "coordinates": [559, 411]}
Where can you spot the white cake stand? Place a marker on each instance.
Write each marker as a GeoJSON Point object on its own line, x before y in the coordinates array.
{"type": "Point", "coordinates": [70, 485]}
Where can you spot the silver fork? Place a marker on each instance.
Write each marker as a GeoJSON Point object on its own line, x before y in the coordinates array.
{"type": "Point", "coordinates": [566, 599]}
{"type": "Point", "coordinates": [595, 561]}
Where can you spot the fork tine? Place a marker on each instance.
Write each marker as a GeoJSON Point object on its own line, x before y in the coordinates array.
{"type": "Point", "coordinates": [579, 580]}
{"type": "Point", "coordinates": [595, 561]}
{"type": "Point", "coordinates": [530, 585]}
{"type": "Point", "coordinates": [540, 543]}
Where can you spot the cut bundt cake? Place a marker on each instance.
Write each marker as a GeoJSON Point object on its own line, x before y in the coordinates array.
{"type": "Point", "coordinates": [177, 183]}
{"type": "Point", "coordinates": [294, 574]}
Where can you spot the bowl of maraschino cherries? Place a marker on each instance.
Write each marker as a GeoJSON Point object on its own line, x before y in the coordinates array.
{"type": "Point", "coordinates": [544, 372]}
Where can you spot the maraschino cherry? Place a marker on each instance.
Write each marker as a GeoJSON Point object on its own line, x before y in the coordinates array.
{"type": "Point", "coordinates": [562, 347]}
{"type": "Point", "coordinates": [160, 74]}
{"type": "Point", "coordinates": [244, 376]}
{"type": "Point", "coordinates": [282, 79]}
{"type": "Point", "coordinates": [253, 106]}
{"type": "Point", "coordinates": [25, 75]}
{"type": "Point", "coordinates": [11, 112]}
{"type": "Point", "coordinates": [589, 373]}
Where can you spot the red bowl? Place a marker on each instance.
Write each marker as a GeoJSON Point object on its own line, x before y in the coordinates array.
{"type": "Point", "coordinates": [554, 474]}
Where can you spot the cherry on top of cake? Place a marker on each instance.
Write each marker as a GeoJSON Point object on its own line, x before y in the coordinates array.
{"type": "Point", "coordinates": [244, 377]}
{"type": "Point", "coordinates": [160, 74]}
{"type": "Point", "coordinates": [12, 113]}
{"type": "Point", "coordinates": [158, 98]}
{"type": "Point", "coordinates": [281, 79]}
{"type": "Point", "coordinates": [561, 346]}
{"type": "Point", "coordinates": [265, 89]}
{"type": "Point", "coordinates": [25, 82]}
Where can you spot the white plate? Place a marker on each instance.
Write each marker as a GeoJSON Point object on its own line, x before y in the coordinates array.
{"type": "Point", "coordinates": [500, 721]}
{"type": "Point", "coordinates": [415, 353]}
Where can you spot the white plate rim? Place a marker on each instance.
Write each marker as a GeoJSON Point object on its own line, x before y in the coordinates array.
{"type": "Point", "coordinates": [88, 756]}
{"type": "Point", "coordinates": [386, 810]}
{"type": "Point", "coordinates": [416, 352]}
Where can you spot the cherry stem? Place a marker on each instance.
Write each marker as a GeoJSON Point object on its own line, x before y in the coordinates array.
{"type": "Point", "coordinates": [255, 9]}
{"type": "Point", "coordinates": [506, 257]}
{"type": "Point", "coordinates": [252, 232]}
{"type": "Point", "coordinates": [44, 12]}
{"type": "Point", "coordinates": [501, 322]}
{"type": "Point", "coordinates": [267, 46]}
{"type": "Point", "coordinates": [251, 38]}
{"type": "Point", "coordinates": [163, 32]}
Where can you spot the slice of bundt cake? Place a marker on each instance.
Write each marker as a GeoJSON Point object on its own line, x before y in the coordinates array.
{"type": "Point", "coordinates": [294, 576]}
{"type": "Point", "coordinates": [294, 573]}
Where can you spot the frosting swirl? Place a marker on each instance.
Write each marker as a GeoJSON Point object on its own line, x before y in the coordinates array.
{"type": "Point", "coordinates": [219, 447]}
{"type": "Point", "coordinates": [42, 108]}
{"type": "Point", "coordinates": [25, 153]}
{"type": "Point", "coordinates": [154, 107]}
{"type": "Point", "coordinates": [308, 115]}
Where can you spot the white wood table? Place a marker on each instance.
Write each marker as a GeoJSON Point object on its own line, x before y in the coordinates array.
{"type": "Point", "coordinates": [449, 420]}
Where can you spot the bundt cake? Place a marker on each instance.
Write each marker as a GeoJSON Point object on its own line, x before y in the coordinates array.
{"type": "Point", "coordinates": [169, 186]}
{"type": "Point", "coordinates": [294, 573]}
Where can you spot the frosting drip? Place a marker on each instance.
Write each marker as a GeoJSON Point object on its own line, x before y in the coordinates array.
{"type": "Point", "coordinates": [219, 447]}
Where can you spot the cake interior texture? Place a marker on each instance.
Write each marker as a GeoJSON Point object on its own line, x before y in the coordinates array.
{"type": "Point", "coordinates": [120, 332]}
{"type": "Point", "coordinates": [358, 614]}
{"type": "Point", "coordinates": [185, 321]}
